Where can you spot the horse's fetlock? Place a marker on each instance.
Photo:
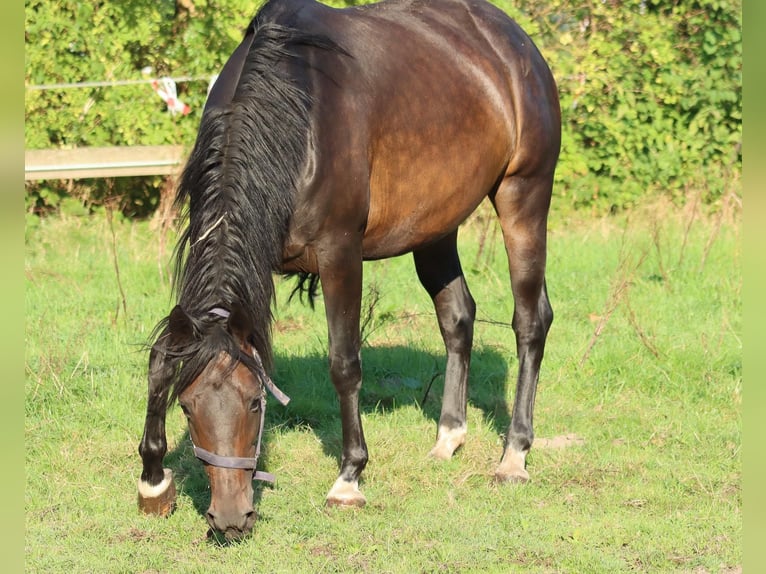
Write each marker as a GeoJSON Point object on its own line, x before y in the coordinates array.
{"type": "Point", "coordinates": [521, 439]}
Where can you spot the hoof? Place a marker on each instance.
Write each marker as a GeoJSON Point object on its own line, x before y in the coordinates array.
{"type": "Point", "coordinates": [440, 452]}
{"type": "Point", "coordinates": [159, 500]}
{"type": "Point", "coordinates": [345, 502]}
{"type": "Point", "coordinates": [519, 476]}
{"type": "Point", "coordinates": [345, 495]}
{"type": "Point", "coordinates": [511, 469]}
{"type": "Point", "coordinates": [447, 442]}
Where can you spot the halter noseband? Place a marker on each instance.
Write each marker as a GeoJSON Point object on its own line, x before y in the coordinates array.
{"type": "Point", "coordinates": [240, 462]}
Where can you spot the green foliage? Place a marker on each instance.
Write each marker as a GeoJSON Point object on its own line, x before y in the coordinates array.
{"type": "Point", "coordinates": [69, 41]}
{"type": "Point", "coordinates": [650, 90]}
{"type": "Point", "coordinates": [651, 96]}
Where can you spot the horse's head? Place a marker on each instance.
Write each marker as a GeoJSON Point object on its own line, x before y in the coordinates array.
{"type": "Point", "coordinates": [224, 404]}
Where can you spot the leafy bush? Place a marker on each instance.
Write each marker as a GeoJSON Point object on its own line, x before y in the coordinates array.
{"type": "Point", "coordinates": [651, 96]}
{"type": "Point", "coordinates": [650, 89]}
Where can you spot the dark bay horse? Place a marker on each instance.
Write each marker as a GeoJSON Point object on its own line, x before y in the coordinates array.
{"type": "Point", "coordinates": [332, 137]}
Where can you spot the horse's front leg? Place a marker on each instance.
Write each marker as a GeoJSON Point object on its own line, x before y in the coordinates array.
{"type": "Point", "coordinates": [156, 489]}
{"type": "Point", "coordinates": [341, 277]}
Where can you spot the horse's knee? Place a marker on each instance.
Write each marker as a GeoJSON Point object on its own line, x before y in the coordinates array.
{"type": "Point", "coordinates": [530, 334]}
{"type": "Point", "coordinates": [531, 322]}
{"type": "Point", "coordinates": [460, 330]}
{"type": "Point", "coordinates": [346, 371]}
{"type": "Point", "coordinates": [465, 316]}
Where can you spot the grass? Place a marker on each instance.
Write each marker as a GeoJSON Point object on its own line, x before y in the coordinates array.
{"type": "Point", "coordinates": [642, 375]}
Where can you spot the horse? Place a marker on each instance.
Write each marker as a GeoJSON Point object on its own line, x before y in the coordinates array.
{"type": "Point", "coordinates": [332, 137]}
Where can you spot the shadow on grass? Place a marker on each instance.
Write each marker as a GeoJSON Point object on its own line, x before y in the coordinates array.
{"type": "Point", "coordinates": [394, 377]}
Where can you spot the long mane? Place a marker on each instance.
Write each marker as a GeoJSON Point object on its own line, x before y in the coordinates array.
{"type": "Point", "coordinates": [240, 181]}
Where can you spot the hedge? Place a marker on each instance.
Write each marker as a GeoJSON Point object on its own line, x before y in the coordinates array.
{"type": "Point", "coordinates": [651, 90]}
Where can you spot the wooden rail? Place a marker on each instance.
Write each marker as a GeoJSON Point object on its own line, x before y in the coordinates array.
{"type": "Point", "coordinates": [89, 162]}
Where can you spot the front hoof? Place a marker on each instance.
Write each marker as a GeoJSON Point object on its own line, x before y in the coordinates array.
{"type": "Point", "coordinates": [159, 500]}
{"type": "Point", "coordinates": [345, 495]}
{"type": "Point", "coordinates": [440, 453]}
{"type": "Point", "coordinates": [517, 476]}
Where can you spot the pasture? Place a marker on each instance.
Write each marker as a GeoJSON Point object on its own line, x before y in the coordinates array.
{"type": "Point", "coordinates": [636, 464]}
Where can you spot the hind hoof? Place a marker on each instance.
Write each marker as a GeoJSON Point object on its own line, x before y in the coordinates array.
{"type": "Point", "coordinates": [447, 442]}
{"type": "Point", "coordinates": [512, 467]}
{"type": "Point", "coordinates": [345, 495]}
{"type": "Point", "coordinates": [345, 502]}
{"type": "Point", "coordinates": [518, 476]}
{"type": "Point", "coordinates": [159, 500]}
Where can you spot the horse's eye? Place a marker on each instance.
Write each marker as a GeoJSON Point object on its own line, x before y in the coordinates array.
{"type": "Point", "coordinates": [255, 406]}
{"type": "Point", "coordinates": [185, 410]}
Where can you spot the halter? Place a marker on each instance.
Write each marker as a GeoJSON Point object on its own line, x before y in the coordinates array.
{"type": "Point", "coordinates": [240, 462]}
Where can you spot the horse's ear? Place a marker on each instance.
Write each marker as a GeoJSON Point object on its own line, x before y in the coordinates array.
{"type": "Point", "coordinates": [239, 324]}
{"type": "Point", "coordinates": [180, 325]}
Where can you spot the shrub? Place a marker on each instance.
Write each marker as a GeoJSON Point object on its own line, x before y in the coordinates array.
{"type": "Point", "coordinates": [651, 90]}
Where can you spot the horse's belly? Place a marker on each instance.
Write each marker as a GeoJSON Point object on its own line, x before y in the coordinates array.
{"type": "Point", "coordinates": [429, 170]}
{"type": "Point", "coordinates": [406, 235]}
{"type": "Point", "coordinates": [403, 219]}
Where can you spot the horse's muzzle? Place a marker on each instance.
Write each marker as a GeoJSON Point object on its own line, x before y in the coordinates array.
{"type": "Point", "coordinates": [232, 524]}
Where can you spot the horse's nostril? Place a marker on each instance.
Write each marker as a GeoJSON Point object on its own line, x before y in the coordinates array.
{"type": "Point", "coordinates": [249, 519]}
{"type": "Point", "coordinates": [223, 525]}
{"type": "Point", "coordinates": [211, 520]}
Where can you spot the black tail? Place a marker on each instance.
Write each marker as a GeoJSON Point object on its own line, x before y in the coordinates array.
{"type": "Point", "coordinates": [307, 286]}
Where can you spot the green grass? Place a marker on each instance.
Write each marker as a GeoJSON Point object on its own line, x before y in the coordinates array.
{"type": "Point", "coordinates": [652, 484]}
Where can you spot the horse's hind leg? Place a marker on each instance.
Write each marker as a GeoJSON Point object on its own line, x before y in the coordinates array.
{"type": "Point", "coordinates": [439, 271]}
{"type": "Point", "coordinates": [156, 489]}
{"type": "Point", "coordinates": [522, 205]}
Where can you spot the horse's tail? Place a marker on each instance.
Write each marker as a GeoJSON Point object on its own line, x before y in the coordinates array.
{"type": "Point", "coordinates": [306, 286]}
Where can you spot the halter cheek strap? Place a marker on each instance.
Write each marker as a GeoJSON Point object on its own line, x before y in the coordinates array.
{"type": "Point", "coordinates": [239, 462]}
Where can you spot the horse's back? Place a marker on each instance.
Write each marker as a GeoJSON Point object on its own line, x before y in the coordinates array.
{"type": "Point", "coordinates": [462, 98]}
{"type": "Point", "coordinates": [433, 105]}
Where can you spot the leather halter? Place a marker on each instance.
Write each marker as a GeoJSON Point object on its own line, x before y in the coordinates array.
{"type": "Point", "coordinates": [239, 462]}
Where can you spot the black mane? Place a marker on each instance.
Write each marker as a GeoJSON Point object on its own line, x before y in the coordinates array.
{"type": "Point", "coordinates": [240, 182]}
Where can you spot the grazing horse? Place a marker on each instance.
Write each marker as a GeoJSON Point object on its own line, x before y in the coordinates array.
{"type": "Point", "coordinates": [334, 136]}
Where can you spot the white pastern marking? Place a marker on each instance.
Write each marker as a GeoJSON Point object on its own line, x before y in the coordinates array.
{"type": "Point", "coordinates": [514, 458]}
{"type": "Point", "coordinates": [448, 441]}
{"type": "Point", "coordinates": [512, 466]}
{"type": "Point", "coordinates": [146, 490]}
{"type": "Point", "coordinates": [344, 491]}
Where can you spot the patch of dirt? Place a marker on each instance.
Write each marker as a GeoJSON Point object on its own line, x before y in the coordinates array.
{"type": "Point", "coordinates": [323, 550]}
{"type": "Point", "coordinates": [560, 441]}
{"type": "Point", "coordinates": [133, 535]}
{"type": "Point", "coordinates": [288, 325]}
